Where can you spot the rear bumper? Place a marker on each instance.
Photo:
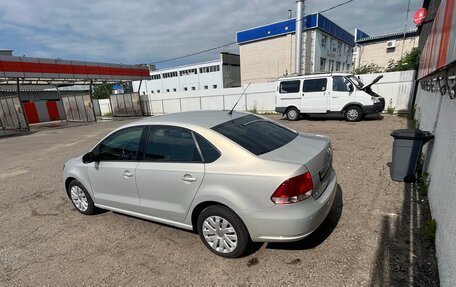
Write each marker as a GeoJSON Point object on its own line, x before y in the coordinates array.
{"type": "Point", "coordinates": [290, 222]}
{"type": "Point", "coordinates": [281, 110]}
{"type": "Point", "coordinates": [375, 108]}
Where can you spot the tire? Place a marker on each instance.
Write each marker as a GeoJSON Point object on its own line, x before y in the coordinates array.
{"type": "Point", "coordinates": [293, 114]}
{"type": "Point", "coordinates": [353, 114]}
{"type": "Point", "coordinates": [231, 243]}
{"type": "Point", "coordinates": [80, 198]}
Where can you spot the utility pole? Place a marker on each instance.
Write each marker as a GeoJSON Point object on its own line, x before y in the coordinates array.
{"type": "Point", "coordinates": [299, 21]}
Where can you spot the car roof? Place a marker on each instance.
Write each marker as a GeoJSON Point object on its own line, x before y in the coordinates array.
{"type": "Point", "coordinates": [315, 76]}
{"type": "Point", "coordinates": [205, 119]}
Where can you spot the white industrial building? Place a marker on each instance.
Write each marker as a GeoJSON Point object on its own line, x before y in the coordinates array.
{"type": "Point", "coordinates": [268, 52]}
{"type": "Point", "coordinates": [216, 74]}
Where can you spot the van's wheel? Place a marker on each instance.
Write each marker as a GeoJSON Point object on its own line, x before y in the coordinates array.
{"type": "Point", "coordinates": [293, 114]}
{"type": "Point", "coordinates": [353, 114]}
{"type": "Point", "coordinates": [223, 232]}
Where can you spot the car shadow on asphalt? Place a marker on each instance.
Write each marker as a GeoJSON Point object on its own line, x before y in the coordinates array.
{"type": "Point", "coordinates": [336, 117]}
{"type": "Point", "coordinates": [321, 233]}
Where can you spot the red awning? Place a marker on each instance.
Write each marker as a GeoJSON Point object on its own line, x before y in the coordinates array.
{"type": "Point", "coordinates": [63, 72]}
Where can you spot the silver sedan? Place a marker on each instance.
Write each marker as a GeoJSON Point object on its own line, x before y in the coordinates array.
{"type": "Point", "coordinates": [233, 178]}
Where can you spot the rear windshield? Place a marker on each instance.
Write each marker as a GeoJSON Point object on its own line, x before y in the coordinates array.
{"type": "Point", "coordinates": [256, 134]}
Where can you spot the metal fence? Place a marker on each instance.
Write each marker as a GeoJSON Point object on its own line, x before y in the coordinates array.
{"type": "Point", "coordinates": [127, 104]}
{"type": "Point", "coordinates": [78, 108]}
{"type": "Point", "coordinates": [11, 113]}
{"type": "Point", "coordinates": [260, 101]}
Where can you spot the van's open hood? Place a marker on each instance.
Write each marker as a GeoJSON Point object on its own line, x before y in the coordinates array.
{"type": "Point", "coordinates": [371, 83]}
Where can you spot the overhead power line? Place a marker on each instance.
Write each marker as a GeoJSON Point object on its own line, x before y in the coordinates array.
{"type": "Point", "coordinates": [232, 43]}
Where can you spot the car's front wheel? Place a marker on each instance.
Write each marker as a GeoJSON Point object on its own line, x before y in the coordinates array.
{"type": "Point", "coordinates": [223, 232]}
{"type": "Point", "coordinates": [81, 198]}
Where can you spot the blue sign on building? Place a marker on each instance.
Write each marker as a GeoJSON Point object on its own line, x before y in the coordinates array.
{"type": "Point", "coordinates": [312, 21]}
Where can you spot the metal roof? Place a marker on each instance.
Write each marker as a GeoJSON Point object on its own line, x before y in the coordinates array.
{"type": "Point", "coordinates": [35, 71]}
{"type": "Point", "coordinates": [388, 36]}
{"type": "Point", "coordinates": [311, 21]}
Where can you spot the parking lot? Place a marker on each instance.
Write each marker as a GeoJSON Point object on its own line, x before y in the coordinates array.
{"type": "Point", "coordinates": [372, 236]}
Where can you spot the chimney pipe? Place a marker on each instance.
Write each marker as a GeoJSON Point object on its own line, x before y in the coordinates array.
{"type": "Point", "coordinates": [298, 35]}
{"type": "Point", "coordinates": [289, 13]}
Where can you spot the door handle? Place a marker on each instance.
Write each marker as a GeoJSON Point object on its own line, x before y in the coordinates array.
{"type": "Point", "coordinates": [127, 174]}
{"type": "Point", "coordinates": [188, 178]}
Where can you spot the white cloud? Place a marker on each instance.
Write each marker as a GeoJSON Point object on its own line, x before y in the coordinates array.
{"type": "Point", "coordinates": [148, 31]}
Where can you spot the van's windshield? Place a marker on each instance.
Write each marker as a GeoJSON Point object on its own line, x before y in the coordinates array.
{"type": "Point", "coordinates": [356, 81]}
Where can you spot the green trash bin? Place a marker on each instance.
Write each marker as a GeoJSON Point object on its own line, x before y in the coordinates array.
{"type": "Point", "coordinates": [406, 151]}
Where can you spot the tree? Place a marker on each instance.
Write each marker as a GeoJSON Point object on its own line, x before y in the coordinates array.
{"type": "Point", "coordinates": [410, 61]}
{"type": "Point", "coordinates": [368, 69]}
{"type": "Point", "coordinates": [102, 91]}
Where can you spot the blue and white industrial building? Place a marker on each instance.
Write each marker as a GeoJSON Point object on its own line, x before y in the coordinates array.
{"type": "Point", "coordinates": [216, 74]}
{"type": "Point", "coordinates": [268, 52]}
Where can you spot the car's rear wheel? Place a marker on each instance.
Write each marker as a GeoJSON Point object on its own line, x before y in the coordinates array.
{"type": "Point", "coordinates": [292, 114]}
{"type": "Point", "coordinates": [353, 114]}
{"type": "Point", "coordinates": [81, 198]}
{"type": "Point", "coordinates": [223, 232]}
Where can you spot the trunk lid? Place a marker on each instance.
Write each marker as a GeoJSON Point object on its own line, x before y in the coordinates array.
{"type": "Point", "coordinates": [312, 151]}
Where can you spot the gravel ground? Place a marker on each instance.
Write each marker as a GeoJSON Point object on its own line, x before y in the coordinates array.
{"type": "Point", "coordinates": [372, 236]}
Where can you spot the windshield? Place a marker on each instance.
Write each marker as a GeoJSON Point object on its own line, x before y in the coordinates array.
{"type": "Point", "coordinates": [356, 81]}
{"type": "Point", "coordinates": [257, 135]}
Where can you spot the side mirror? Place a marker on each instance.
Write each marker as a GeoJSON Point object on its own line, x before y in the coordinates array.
{"type": "Point", "coordinates": [350, 87]}
{"type": "Point", "coordinates": [89, 157]}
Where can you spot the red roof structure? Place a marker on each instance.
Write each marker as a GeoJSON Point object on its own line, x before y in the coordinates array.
{"type": "Point", "coordinates": [63, 72]}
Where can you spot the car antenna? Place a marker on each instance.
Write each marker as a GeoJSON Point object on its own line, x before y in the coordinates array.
{"type": "Point", "coordinates": [231, 112]}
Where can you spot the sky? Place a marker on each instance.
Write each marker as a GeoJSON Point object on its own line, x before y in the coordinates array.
{"type": "Point", "coordinates": [148, 31]}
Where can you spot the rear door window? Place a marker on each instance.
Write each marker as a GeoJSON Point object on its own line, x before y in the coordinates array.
{"type": "Point", "coordinates": [287, 87]}
{"type": "Point", "coordinates": [314, 85]}
{"type": "Point", "coordinates": [257, 135]}
{"type": "Point", "coordinates": [171, 144]}
{"type": "Point", "coordinates": [208, 151]}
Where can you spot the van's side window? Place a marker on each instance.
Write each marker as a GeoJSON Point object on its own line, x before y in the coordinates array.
{"type": "Point", "coordinates": [314, 85]}
{"type": "Point", "coordinates": [289, 87]}
{"type": "Point", "coordinates": [340, 84]}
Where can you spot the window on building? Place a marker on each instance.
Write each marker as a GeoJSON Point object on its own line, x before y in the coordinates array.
{"type": "Point", "coordinates": [333, 45]}
{"type": "Point", "coordinates": [289, 87]}
{"type": "Point", "coordinates": [339, 47]}
{"type": "Point", "coordinates": [174, 90]}
{"type": "Point", "coordinates": [331, 65]}
{"type": "Point", "coordinates": [322, 64]}
{"type": "Point", "coordinates": [210, 69]}
{"type": "Point", "coordinates": [314, 85]}
{"type": "Point", "coordinates": [338, 66]}
{"type": "Point", "coordinates": [185, 88]}
{"type": "Point", "coordinates": [188, 72]}
{"type": "Point", "coordinates": [193, 88]}
{"type": "Point", "coordinates": [156, 77]}
{"type": "Point", "coordinates": [206, 87]}
{"type": "Point", "coordinates": [167, 90]}
{"type": "Point", "coordinates": [324, 39]}
{"type": "Point", "coordinates": [214, 86]}
{"type": "Point", "coordinates": [340, 84]}
{"type": "Point", "coordinates": [151, 92]}
{"type": "Point", "coordinates": [158, 91]}
{"type": "Point", "coordinates": [348, 67]}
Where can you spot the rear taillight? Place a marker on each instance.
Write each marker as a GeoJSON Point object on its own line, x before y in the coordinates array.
{"type": "Point", "coordinates": [294, 189]}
